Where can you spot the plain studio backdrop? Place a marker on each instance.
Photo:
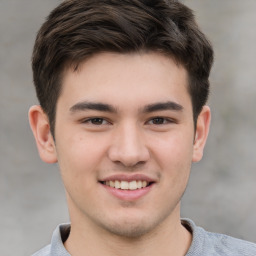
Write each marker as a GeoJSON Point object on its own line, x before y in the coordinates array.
{"type": "Point", "coordinates": [221, 194]}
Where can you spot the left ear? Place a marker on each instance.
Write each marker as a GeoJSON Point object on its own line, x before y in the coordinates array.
{"type": "Point", "coordinates": [41, 129]}
{"type": "Point", "coordinates": [201, 134]}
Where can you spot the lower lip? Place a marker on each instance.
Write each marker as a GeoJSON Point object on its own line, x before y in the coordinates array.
{"type": "Point", "coordinates": [128, 195]}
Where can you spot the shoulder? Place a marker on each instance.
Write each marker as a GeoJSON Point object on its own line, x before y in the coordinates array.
{"type": "Point", "coordinates": [226, 245]}
{"type": "Point", "coordinates": [43, 252]}
{"type": "Point", "coordinates": [56, 248]}
{"type": "Point", "coordinates": [208, 243]}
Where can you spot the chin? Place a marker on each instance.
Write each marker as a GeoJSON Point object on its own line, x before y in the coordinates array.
{"type": "Point", "coordinates": [128, 231]}
{"type": "Point", "coordinates": [131, 227]}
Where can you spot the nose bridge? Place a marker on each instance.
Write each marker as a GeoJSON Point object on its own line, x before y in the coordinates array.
{"type": "Point", "coordinates": [128, 145]}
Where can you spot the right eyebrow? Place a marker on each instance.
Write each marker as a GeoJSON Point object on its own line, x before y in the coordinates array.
{"type": "Point", "coordinates": [160, 106]}
{"type": "Point", "coordinates": [86, 105]}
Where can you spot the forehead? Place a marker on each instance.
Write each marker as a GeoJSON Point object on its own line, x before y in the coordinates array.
{"type": "Point", "coordinates": [136, 77]}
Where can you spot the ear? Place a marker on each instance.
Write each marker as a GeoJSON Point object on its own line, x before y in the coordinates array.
{"type": "Point", "coordinates": [201, 134]}
{"type": "Point", "coordinates": [40, 126]}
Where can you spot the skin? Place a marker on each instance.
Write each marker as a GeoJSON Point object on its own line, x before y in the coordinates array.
{"type": "Point", "coordinates": [134, 117]}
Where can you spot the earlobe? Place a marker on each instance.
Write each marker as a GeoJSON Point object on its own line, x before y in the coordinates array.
{"type": "Point", "coordinates": [40, 126]}
{"type": "Point", "coordinates": [201, 134]}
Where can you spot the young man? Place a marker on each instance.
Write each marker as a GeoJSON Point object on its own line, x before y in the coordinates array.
{"type": "Point", "coordinates": [122, 87]}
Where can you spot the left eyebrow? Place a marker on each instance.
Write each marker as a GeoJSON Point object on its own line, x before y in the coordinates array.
{"type": "Point", "coordinates": [85, 105]}
{"type": "Point", "coordinates": [160, 106]}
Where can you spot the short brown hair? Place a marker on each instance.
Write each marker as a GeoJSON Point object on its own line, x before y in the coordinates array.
{"type": "Point", "coordinates": [78, 29]}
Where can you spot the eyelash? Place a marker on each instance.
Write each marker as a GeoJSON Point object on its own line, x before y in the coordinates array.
{"type": "Point", "coordinates": [162, 120]}
{"type": "Point", "coordinates": [97, 121]}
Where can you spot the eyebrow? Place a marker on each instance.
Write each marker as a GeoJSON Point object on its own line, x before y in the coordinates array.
{"type": "Point", "coordinates": [85, 105]}
{"type": "Point", "coordinates": [160, 106]}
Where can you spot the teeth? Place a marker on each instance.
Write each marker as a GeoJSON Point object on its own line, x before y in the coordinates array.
{"type": "Point", "coordinates": [133, 185]}
{"type": "Point", "coordinates": [125, 185]}
{"type": "Point", "coordinates": [112, 184]}
{"type": "Point", "coordinates": [117, 184]}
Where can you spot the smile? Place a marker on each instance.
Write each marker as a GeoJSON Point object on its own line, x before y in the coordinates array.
{"type": "Point", "coordinates": [127, 185]}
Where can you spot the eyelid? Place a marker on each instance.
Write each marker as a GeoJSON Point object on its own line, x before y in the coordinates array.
{"type": "Point", "coordinates": [167, 120]}
{"type": "Point", "coordinates": [89, 120]}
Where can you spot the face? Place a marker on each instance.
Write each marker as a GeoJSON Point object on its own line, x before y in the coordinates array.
{"type": "Point", "coordinates": [125, 141]}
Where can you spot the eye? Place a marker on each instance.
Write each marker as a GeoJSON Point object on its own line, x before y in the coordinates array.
{"type": "Point", "coordinates": [160, 120]}
{"type": "Point", "coordinates": [96, 121]}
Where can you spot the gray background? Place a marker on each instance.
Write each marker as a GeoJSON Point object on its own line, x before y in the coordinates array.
{"type": "Point", "coordinates": [221, 194]}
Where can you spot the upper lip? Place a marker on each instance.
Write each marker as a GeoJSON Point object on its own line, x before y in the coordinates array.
{"type": "Point", "coordinates": [125, 177]}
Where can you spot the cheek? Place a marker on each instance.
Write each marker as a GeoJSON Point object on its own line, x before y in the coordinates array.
{"type": "Point", "coordinates": [78, 157]}
{"type": "Point", "coordinates": [174, 156]}
{"type": "Point", "coordinates": [175, 150]}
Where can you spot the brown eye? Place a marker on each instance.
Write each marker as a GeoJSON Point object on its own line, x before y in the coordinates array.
{"type": "Point", "coordinates": [97, 121]}
{"type": "Point", "coordinates": [158, 120]}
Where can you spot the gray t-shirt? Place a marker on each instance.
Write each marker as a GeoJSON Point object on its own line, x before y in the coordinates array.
{"type": "Point", "coordinates": [203, 244]}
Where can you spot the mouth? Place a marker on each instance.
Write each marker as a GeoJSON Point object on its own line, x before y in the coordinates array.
{"type": "Point", "coordinates": [127, 185]}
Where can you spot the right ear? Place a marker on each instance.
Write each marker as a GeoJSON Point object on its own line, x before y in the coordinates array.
{"type": "Point", "coordinates": [40, 126]}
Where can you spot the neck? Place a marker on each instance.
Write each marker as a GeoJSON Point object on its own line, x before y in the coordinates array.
{"type": "Point", "coordinates": [169, 238]}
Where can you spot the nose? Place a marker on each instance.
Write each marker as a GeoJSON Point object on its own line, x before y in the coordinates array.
{"type": "Point", "coordinates": [128, 146]}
